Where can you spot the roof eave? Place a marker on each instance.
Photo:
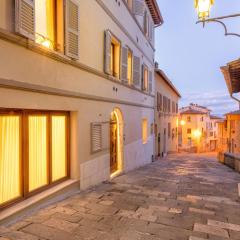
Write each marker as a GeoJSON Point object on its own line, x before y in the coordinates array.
{"type": "Point", "coordinates": [155, 12]}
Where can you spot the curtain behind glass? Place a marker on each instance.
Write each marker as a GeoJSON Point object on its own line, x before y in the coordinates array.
{"type": "Point", "coordinates": [9, 158]}
{"type": "Point", "coordinates": [38, 167]}
{"type": "Point", "coordinates": [59, 151]}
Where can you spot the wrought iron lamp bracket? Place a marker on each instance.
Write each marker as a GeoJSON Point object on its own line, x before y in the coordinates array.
{"type": "Point", "coordinates": [219, 20]}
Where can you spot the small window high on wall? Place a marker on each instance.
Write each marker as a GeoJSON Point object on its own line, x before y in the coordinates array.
{"type": "Point", "coordinates": [34, 148]}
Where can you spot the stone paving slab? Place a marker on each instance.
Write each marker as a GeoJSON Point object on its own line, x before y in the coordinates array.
{"type": "Point", "coordinates": [181, 197]}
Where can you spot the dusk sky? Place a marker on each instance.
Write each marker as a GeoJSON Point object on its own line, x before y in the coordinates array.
{"type": "Point", "coordinates": [191, 55]}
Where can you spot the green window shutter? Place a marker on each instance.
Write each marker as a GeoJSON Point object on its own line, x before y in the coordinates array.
{"type": "Point", "coordinates": [107, 52]}
{"type": "Point", "coordinates": [25, 18]}
{"type": "Point", "coordinates": [136, 71]}
{"type": "Point", "coordinates": [72, 15]}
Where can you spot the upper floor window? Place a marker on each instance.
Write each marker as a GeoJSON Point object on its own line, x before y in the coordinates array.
{"type": "Point", "coordinates": [130, 3]}
{"type": "Point", "coordinates": [115, 57]}
{"type": "Point", "coordinates": [145, 78]}
{"type": "Point", "coordinates": [189, 131]}
{"type": "Point", "coordinates": [188, 118]}
{"type": "Point", "coordinates": [129, 66]}
{"type": "Point", "coordinates": [52, 23]}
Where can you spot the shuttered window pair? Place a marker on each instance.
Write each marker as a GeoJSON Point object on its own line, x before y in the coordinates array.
{"type": "Point", "coordinates": [120, 62]}
{"type": "Point", "coordinates": [159, 101]}
{"type": "Point", "coordinates": [50, 23]}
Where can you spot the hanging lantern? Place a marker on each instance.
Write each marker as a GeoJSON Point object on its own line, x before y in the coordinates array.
{"type": "Point", "coordinates": [203, 8]}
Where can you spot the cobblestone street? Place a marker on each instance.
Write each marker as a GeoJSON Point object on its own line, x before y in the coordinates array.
{"type": "Point", "coordinates": [181, 197]}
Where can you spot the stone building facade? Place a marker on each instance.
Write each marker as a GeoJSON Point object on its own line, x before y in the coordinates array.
{"type": "Point", "coordinates": [166, 115]}
{"type": "Point", "coordinates": [76, 92]}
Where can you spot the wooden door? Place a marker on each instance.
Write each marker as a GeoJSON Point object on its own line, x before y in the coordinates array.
{"type": "Point", "coordinates": [113, 145]}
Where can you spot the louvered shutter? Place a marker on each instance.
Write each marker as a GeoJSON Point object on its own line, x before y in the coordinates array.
{"type": "Point", "coordinates": [25, 18]}
{"type": "Point", "coordinates": [96, 137]}
{"type": "Point", "coordinates": [124, 69]}
{"type": "Point", "coordinates": [142, 82]}
{"type": "Point", "coordinates": [158, 107]}
{"type": "Point", "coordinates": [136, 71]}
{"type": "Point", "coordinates": [150, 81]}
{"type": "Point", "coordinates": [145, 23]}
{"type": "Point", "coordinates": [107, 52]}
{"type": "Point", "coordinates": [72, 14]}
{"type": "Point", "coordinates": [138, 7]}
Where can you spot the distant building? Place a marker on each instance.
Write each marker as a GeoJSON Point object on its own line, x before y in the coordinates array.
{"type": "Point", "coordinates": [213, 132]}
{"type": "Point", "coordinates": [166, 115]}
{"type": "Point", "coordinates": [233, 131]}
{"type": "Point", "coordinates": [197, 129]}
{"type": "Point", "coordinates": [222, 137]}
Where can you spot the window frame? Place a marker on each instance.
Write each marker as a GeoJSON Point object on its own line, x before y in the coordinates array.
{"type": "Point", "coordinates": [145, 82]}
{"type": "Point", "coordinates": [114, 38]}
{"type": "Point", "coordinates": [130, 81]}
{"type": "Point", "coordinates": [24, 158]}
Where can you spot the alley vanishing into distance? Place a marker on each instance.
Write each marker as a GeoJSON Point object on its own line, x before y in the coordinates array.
{"type": "Point", "coordinates": [184, 196]}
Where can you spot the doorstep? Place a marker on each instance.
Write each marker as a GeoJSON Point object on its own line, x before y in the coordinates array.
{"type": "Point", "coordinates": [54, 194]}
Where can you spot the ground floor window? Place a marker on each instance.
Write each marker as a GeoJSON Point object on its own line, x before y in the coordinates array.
{"type": "Point", "coordinates": [33, 152]}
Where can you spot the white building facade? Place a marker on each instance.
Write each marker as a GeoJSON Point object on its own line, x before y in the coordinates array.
{"type": "Point", "coordinates": [76, 92]}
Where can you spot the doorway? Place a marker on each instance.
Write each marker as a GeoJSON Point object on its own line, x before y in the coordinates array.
{"type": "Point", "coordinates": [116, 142]}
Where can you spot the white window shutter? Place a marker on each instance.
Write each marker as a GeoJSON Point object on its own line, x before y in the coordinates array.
{"type": "Point", "coordinates": [136, 71]}
{"type": "Point", "coordinates": [72, 15]}
{"type": "Point", "coordinates": [138, 7]}
{"type": "Point", "coordinates": [150, 78]}
{"type": "Point", "coordinates": [145, 22]}
{"type": "Point", "coordinates": [107, 52]}
{"type": "Point", "coordinates": [25, 18]}
{"type": "Point", "coordinates": [124, 70]}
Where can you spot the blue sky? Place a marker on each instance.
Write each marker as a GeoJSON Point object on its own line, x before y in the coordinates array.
{"type": "Point", "coordinates": [191, 55]}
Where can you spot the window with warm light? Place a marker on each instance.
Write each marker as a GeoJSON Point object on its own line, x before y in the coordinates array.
{"type": "Point", "coordinates": [145, 78]}
{"type": "Point", "coordinates": [115, 57]}
{"type": "Point", "coordinates": [144, 131]}
{"type": "Point", "coordinates": [33, 152]}
{"type": "Point", "coordinates": [130, 67]}
{"type": "Point", "coordinates": [49, 23]}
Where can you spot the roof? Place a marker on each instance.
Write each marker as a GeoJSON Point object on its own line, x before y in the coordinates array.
{"type": "Point", "coordinates": [192, 111]}
{"type": "Point", "coordinates": [233, 113]}
{"type": "Point", "coordinates": [215, 117]}
{"type": "Point", "coordinates": [231, 73]}
{"type": "Point", "coordinates": [167, 81]}
{"type": "Point", "coordinates": [155, 11]}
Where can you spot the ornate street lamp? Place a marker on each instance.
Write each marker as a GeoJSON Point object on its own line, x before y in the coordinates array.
{"type": "Point", "coordinates": [203, 9]}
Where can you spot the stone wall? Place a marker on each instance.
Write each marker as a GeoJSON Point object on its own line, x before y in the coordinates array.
{"type": "Point", "coordinates": [232, 161]}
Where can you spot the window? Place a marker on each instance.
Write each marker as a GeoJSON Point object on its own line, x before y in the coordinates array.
{"type": "Point", "coordinates": [130, 3]}
{"type": "Point", "coordinates": [146, 24]}
{"type": "Point", "coordinates": [145, 78]}
{"type": "Point", "coordinates": [173, 107]}
{"type": "Point", "coordinates": [188, 118]}
{"type": "Point", "coordinates": [189, 141]}
{"type": "Point", "coordinates": [211, 134]}
{"type": "Point", "coordinates": [189, 131]}
{"type": "Point", "coordinates": [49, 23]}
{"type": "Point", "coordinates": [43, 137]}
{"type": "Point", "coordinates": [130, 66]}
{"type": "Point", "coordinates": [144, 131]}
{"type": "Point", "coordinates": [202, 119]}
{"type": "Point", "coordinates": [52, 23]}
{"type": "Point", "coordinates": [115, 58]}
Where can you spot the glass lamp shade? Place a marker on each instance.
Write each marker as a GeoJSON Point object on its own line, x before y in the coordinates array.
{"type": "Point", "coordinates": [203, 8]}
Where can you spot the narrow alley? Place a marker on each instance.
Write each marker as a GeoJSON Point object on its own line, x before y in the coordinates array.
{"type": "Point", "coordinates": [181, 197]}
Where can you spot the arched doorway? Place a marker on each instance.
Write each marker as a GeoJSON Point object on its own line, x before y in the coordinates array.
{"type": "Point", "coordinates": [116, 142]}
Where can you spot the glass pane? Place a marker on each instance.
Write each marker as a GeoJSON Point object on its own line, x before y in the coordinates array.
{"type": "Point", "coordinates": [38, 169]}
{"type": "Point", "coordinates": [59, 151]}
{"type": "Point", "coordinates": [9, 158]}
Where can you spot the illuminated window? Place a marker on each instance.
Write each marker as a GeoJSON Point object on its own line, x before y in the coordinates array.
{"type": "Point", "coordinates": [49, 17]}
{"type": "Point", "coordinates": [130, 67]}
{"type": "Point", "coordinates": [144, 131]}
{"type": "Point", "coordinates": [145, 78]}
{"type": "Point", "coordinates": [130, 3]}
{"type": "Point", "coordinates": [115, 57]}
{"type": "Point", "coordinates": [33, 152]}
{"type": "Point", "coordinates": [10, 167]}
